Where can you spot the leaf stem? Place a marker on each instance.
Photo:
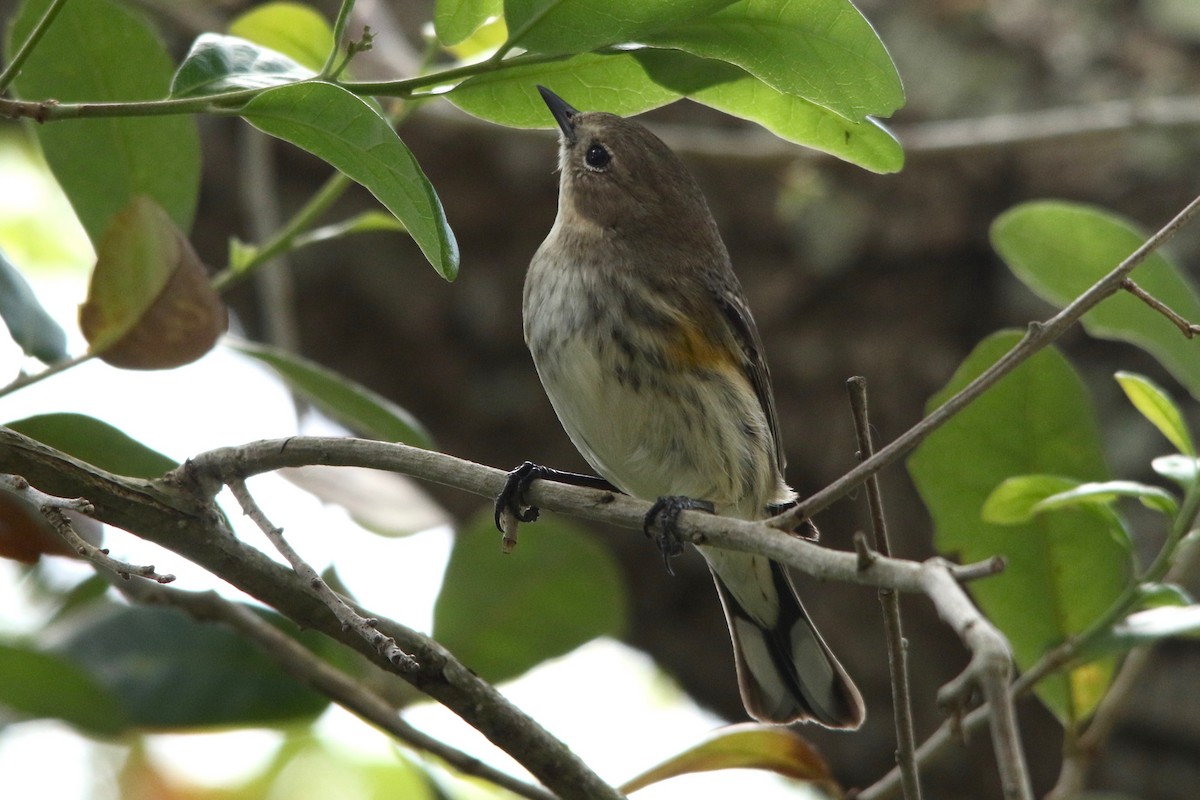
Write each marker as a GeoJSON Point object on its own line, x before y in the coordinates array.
{"type": "Point", "coordinates": [339, 30]}
{"type": "Point", "coordinates": [53, 369]}
{"type": "Point", "coordinates": [18, 60]}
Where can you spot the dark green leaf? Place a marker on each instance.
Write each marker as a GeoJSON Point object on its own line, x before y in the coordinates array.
{"type": "Point", "coordinates": [168, 671]}
{"type": "Point", "coordinates": [30, 325]}
{"type": "Point", "coordinates": [351, 404]}
{"type": "Point", "coordinates": [1157, 406]}
{"type": "Point", "coordinates": [98, 51]}
{"type": "Point", "coordinates": [821, 50]}
{"type": "Point", "coordinates": [294, 29]}
{"type": "Point", "coordinates": [36, 685]}
{"type": "Point", "coordinates": [455, 20]}
{"type": "Point", "coordinates": [1064, 569]}
{"type": "Point", "coordinates": [502, 614]}
{"type": "Point", "coordinates": [334, 125]}
{"type": "Point", "coordinates": [95, 442]}
{"type": "Point", "coordinates": [1060, 249]}
{"type": "Point", "coordinates": [574, 26]}
{"type": "Point", "coordinates": [219, 63]}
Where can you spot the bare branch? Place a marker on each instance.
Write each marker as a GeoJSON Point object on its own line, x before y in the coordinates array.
{"type": "Point", "coordinates": [1188, 329]}
{"type": "Point", "coordinates": [890, 601]}
{"type": "Point", "coordinates": [344, 690]}
{"type": "Point", "coordinates": [53, 508]}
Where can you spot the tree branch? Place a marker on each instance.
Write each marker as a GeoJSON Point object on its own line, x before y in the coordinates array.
{"type": "Point", "coordinates": [890, 601]}
{"type": "Point", "coordinates": [1038, 336]}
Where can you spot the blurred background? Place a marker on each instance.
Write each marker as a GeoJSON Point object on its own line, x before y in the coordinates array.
{"type": "Point", "coordinates": [848, 273]}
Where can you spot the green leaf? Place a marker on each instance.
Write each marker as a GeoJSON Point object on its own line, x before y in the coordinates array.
{"type": "Point", "coordinates": [168, 671]}
{"type": "Point", "coordinates": [617, 83]}
{"type": "Point", "coordinates": [1155, 595]}
{"type": "Point", "coordinates": [1156, 405]}
{"type": "Point", "coordinates": [1064, 569]}
{"type": "Point", "coordinates": [1106, 492]}
{"type": "Point", "coordinates": [95, 442]}
{"type": "Point", "coordinates": [1060, 249]}
{"type": "Point", "coordinates": [98, 51]}
{"type": "Point", "coordinates": [747, 746]}
{"type": "Point", "coordinates": [502, 614]}
{"type": "Point", "coordinates": [333, 124]}
{"type": "Point", "coordinates": [824, 51]}
{"type": "Point", "coordinates": [38, 685]}
{"type": "Point", "coordinates": [1148, 627]}
{"type": "Point", "coordinates": [455, 20]}
{"type": "Point", "coordinates": [29, 324]}
{"type": "Point", "coordinates": [634, 81]}
{"type": "Point", "coordinates": [1182, 469]}
{"type": "Point", "coordinates": [358, 408]}
{"type": "Point", "coordinates": [1016, 499]}
{"type": "Point", "coordinates": [555, 27]}
{"type": "Point", "coordinates": [294, 29]}
{"type": "Point", "coordinates": [733, 90]}
{"type": "Point", "coordinates": [366, 222]}
{"type": "Point", "coordinates": [219, 63]}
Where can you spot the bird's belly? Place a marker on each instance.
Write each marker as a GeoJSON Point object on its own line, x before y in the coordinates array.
{"type": "Point", "coordinates": [654, 432]}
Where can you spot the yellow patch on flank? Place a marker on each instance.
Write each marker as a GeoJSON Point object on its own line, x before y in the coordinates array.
{"type": "Point", "coordinates": [693, 348]}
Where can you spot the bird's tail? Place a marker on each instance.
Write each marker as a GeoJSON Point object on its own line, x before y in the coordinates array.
{"type": "Point", "coordinates": [785, 670]}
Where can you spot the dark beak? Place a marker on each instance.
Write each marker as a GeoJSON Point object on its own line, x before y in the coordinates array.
{"type": "Point", "coordinates": [564, 115]}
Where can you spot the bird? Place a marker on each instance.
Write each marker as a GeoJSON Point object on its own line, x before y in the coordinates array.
{"type": "Point", "coordinates": [643, 340]}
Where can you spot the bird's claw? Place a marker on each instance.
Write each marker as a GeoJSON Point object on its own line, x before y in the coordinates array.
{"type": "Point", "coordinates": [665, 514]}
{"type": "Point", "coordinates": [512, 496]}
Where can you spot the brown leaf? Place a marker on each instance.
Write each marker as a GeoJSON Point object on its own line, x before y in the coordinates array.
{"type": "Point", "coordinates": [150, 304]}
{"type": "Point", "coordinates": [748, 746]}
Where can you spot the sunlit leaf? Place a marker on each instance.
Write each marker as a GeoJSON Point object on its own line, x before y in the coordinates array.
{"type": "Point", "coordinates": [219, 63]}
{"type": "Point", "coordinates": [502, 614]}
{"type": "Point", "coordinates": [554, 26]}
{"type": "Point", "coordinates": [344, 130]}
{"type": "Point", "coordinates": [294, 29]}
{"type": "Point", "coordinates": [385, 503]}
{"type": "Point", "coordinates": [1157, 406]}
{"type": "Point", "coordinates": [100, 51]}
{"type": "Point", "coordinates": [1060, 249]}
{"type": "Point", "coordinates": [824, 51]}
{"type": "Point", "coordinates": [1105, 492]}
{"type": "Point", "coordinates": [748, 746]}
{"type": "Point", "coordinates": [455, 20]}
{"type": "Point", "coordinates": [150, 304]}
{"type": "Point", "coordinates": [1184, 470]}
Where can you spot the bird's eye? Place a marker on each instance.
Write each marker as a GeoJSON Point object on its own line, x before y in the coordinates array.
{"type": "Point", "coordinates": [597, 157]}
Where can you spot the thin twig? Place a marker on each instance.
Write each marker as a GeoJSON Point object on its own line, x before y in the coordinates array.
{"type": "Point", "coordinates": [17, 61]}
{"type": "Point", "coordinates": [351, 620]}
{"type": "Point", "coordinates": [53, 508]}
{"type": "Point", "coordinates": [890, 601]}
{"type": "Point", "coordinates": [1038, 336]}
{"type": "Point", "coordinates": [1188, 329]}
{"type": "Point", "coordinates": [351, 694]}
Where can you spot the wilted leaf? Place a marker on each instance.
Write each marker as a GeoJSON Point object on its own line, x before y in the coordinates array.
{"type": "Point", "coordinates": [748, 746]}
{"type": "Point", "coordinates": [363, 411]}
{"type": "Point", "coordinates": [31, 327]}
{"type": "Point", "coordinates": [149, 303]}
{"type": "Point", "coordinates": [1156, 405]}
{"type": "Point", "coordinates": [100, 51]}
{"type": "Point", "coordinates": [503, 614]}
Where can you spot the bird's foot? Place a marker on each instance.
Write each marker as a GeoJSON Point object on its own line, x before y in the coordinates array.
{"type": "Point", "coordinates": [512, 496]}
{"type": "Point", "coordinates": [665, 514]}
{"type": "Point", "coordinates": [805, 528]}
